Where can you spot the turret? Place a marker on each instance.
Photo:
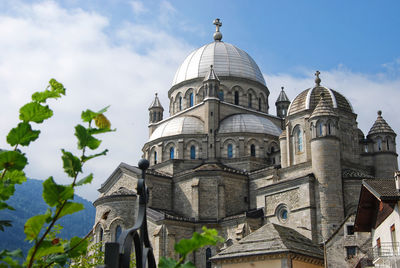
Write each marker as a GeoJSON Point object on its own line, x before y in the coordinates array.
{"type": "Point", "coordinates": [382, 146]}
{"type": "Point", "coordinates": [326, 165]}
{"type": "Point", "coordinates": [282, 104]}
{"type": "Point", "coordinates": [155, 111]}
{"type": "Point", "coordinates": [211, 85]}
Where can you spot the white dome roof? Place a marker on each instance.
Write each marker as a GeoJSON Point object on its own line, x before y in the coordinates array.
{"type": "Point", "coordinates": [248, 123]}
{"type": "Point", "coordinates": [226, 59]}
{"type": "Point", "coordinates": [178, 125]}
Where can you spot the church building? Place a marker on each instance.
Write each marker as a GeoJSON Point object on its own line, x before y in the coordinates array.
{"type": "Point", "coordinates": [289, 175]}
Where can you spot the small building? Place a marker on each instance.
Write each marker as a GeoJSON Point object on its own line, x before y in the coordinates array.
{"type": "Point", "coordinates": [378, 213]}
{"type": "Point", "coordinates": [272, 245]}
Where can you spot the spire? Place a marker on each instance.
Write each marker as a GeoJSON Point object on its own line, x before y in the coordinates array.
{"type": "Point", "coordinates": [217, 34]}
{"type": "Point", "coordinates": [323, 108]}
{"type": "Point", "coordinates": [317, 79]}
{"type": "Point", "coordinates": [156, 103]}
{"type": "Point", "coordinates": [380, 126]}
{"type": "Point", "coordinates": [282, 96]}
{"type": "Point", "coordinates": [211, 75]}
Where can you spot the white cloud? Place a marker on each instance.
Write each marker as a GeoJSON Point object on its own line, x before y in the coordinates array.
{"type": "Point", "coordinates": [43, 40]}
{"type": "Point", "coordinates": [138, 7]}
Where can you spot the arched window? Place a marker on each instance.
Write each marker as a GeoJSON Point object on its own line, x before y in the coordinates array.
{"type": "Point", "coordinates": [230, 151]}
{"type": "Point", "coordinates": [118, 232]}
{"type": "Point", "coordinates": [299, 139]}
{"type": "Point", "coordinates": [208, 256]}
{"type": "Point", "coordinates": [171, 152]}
{"type": "Point", "coordinates": [259, 104]}
{"type": "Point", "coordinates": [180, 103]}
{"type": "Point", "coordinates": [155, 158]}
{"type": "Point", "coordinates": [154, 116]}
{"type": "Point", "coordinates": [329, 128]}
{"type": "Point", "coordinates": [191, 99]}
{"type": "Point", "coordinates": [387, 144]}
{"type": "Point", "coordinates": [366, 148]}
{"type": "Point", "coordinates": [379, 144]}
{"type": "Point", "coordinates": [272, 149]}
{"type": "Point", "coordinates": [221, 95]}
{"type": "Point", "coordinates": [236, 97]}
{"type": "Point", "coordinates": [319, 129]}
{"type": "Point", "coordinates": [192, 152]}
{"type": "Point", "coordinates": [101, 235]}
{"type": "Point", "coordinates": [250, 100]}
{"type": "Point", "coordinates": [252, 150]}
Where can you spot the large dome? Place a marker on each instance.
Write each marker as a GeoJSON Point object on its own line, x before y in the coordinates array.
{"type": "Point", "coordinates": [227, 60]}
{"type": "Point", "coordinates": [248, 123]}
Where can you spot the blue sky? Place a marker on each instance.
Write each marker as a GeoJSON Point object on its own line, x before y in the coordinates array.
{"type": "Point", "coordinates": [120, 53]}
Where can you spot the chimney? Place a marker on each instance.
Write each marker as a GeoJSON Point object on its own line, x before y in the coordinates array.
{"type": "Point", "coordinates": [397, 180]}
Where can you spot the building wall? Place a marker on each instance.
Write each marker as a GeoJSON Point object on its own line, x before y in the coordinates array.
{"type": "Point", "coordinates": [383, 230]}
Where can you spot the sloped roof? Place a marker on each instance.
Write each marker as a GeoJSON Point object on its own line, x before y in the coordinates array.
{"type": "Point", "coordinates": [380, 126]}
{"type": "Point", "coordinates": [272, 239]}
{"type": "Point", "coordinates": [156, 103]}
{"type": "Point", "coordinates": [323, 108]}
{"type": "Point", "coordinates": [282, 97]}
{"type": "Point", "coordinates": [384, 189]}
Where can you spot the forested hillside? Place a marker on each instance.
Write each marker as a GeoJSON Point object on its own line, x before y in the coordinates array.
{"type": "Point", "coordinates": [28, 202]}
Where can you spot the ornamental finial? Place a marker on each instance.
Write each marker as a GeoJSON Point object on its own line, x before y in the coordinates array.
{"type": "Point", "coordinates": [217, 34]}
{"type": "Point", "coordinates": [317, 79]}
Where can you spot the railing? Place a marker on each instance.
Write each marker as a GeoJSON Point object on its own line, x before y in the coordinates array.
{"type": "Point", "coordinates": [387, 250]}
{"type": "Point", "coordinates": [118, 254]}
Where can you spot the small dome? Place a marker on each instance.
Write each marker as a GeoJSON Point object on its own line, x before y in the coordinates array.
{"type": "Point", "coordinates": [227, 60]}
{"type": "Point", "coordinates": [309, 98]}
{"type": "Point", "coordinates": [178, 125]}
{"type": "Point", "coordinates": [380, 126]}
{"type": "Point", "coordinates": [248, 123]}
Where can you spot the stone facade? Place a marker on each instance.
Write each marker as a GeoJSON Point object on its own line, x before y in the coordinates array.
{"type": "Point", "coordinates": [222, 161]}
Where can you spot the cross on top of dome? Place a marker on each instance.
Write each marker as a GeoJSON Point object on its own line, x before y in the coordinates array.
{"type": "Point", "coordinates": [217, 34]}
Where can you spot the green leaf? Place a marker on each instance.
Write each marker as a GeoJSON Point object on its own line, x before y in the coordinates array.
{"type": "Point", "coordinates": [85, 139]}
{"type": "Point", "coordinates": [34, 112]}
{"type": "Point", "coordinates": [15, 177]}
{"type": "Point", "coordinates": [71, 164]}
{"type": "Point", "coordinates": [167, 263]}
{"type": "Point", "coordinates": [60, 259]}
{"type": "Point", "coordinates": [88, 115]}
{"type": "Point", "coordinates": [86, 158]}
{"type": "Point", "coordinates": [10, 258]}
{"type": "Point", "coordinates": [44, 95]}
{"type": "Point", "coordinates": [70, 208]}
{"type": "Point", "coordinates": [4, 205]}
{"type": "Point", "coordinates": [22, 134]}
{"type": "Point", "coordinates": [12, 160]}
{"type": "Point", "coordinates": [76, 247]}
{"type": "Point", "coordinates": [94, 131]}
{"type": "Point", "coordinates": [208, 237]}
{"type": "Point", "coordinates": [46, 248]}
{"type": "Point", "coordinates": [54, 194]}
{"type": "Point", "coordinates": [4, 223]}
{"type": "Point", "coordinates": [33, 226]}
{"type": "Point", "coordinates": [85, 180]}
{"type": "Point", "coordinates": [187, 264]}
{"type": "Point", "coordinates": [56, 86]}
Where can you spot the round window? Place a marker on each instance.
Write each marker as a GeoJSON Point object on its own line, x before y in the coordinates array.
{"type": "Point", "coordinates": [282, 213]}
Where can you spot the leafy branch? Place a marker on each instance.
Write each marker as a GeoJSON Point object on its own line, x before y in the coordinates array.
{"type": "Point", "coordinates": [39, 229]}
{"type": "Point", "coordinates": [186, 246]}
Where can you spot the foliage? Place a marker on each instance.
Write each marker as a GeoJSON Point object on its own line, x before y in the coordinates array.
{"type": "Point", "coordinates": [187, 246]}
{"type": "Point", "coordinates": [48, 249]}
{"type": "Point", "coordinates": [27, 201]}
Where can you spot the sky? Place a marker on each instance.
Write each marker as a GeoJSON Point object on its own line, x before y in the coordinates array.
{"type": "Point", "coordinates": [120, 53]}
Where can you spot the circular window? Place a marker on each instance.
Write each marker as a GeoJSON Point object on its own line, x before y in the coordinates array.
{"type": "Point", "coordinates": [282, 212]}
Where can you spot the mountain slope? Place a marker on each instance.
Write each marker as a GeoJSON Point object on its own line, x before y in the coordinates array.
{"type": "Point", "coordinates": [28, 202]}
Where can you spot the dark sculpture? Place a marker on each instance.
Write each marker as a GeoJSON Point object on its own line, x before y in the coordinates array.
{"type": "Point", "coordinates": [118, 254]}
